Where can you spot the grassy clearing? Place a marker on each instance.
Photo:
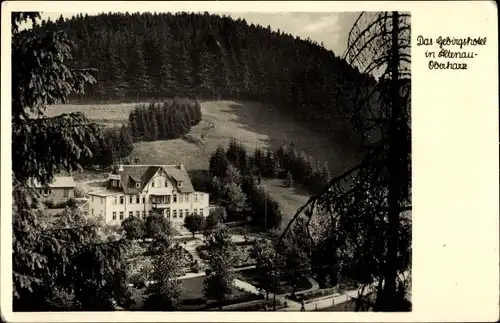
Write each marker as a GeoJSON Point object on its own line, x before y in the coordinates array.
{"type": "Point", "coordinates": [253, 124]}
{"type": "Point", "coordinates": [290, 199]}
{"type": "Point", "coordinates": [101, 113]}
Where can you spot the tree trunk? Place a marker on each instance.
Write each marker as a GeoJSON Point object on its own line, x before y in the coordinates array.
{"type": "Point", "coordinates": [389, 289]}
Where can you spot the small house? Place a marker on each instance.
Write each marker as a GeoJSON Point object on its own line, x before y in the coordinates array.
{"type": "Point", "coordinates": [60, 190]}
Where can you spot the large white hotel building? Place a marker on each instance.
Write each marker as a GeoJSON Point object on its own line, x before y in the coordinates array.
{"type": "Point", "coordinates": [140, 190]}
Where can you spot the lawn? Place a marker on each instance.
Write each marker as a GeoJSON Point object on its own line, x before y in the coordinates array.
{"type": "Point", "coordinates": [250, 276]}
{"type": "Point", "coordinates": [254, 124]}
{"type": "Point", "coordinates": [290, 199]}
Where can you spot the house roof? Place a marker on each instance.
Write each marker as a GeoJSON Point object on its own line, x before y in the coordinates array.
{"type": "Point", "coordinates": [104, 193]}
{"type": "Point", "coordinates": [59, 182]}
{"type": "Point", "coordinates": [142, 174]}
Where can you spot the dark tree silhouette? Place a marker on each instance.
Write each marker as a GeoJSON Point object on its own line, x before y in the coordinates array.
{"type": "Point", "coordinates": [367, 206]}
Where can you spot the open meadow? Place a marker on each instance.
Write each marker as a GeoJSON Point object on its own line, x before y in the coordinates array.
{"type": "Point", "coordinates": [253, 124]}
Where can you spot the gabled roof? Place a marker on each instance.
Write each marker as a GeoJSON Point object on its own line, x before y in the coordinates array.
{"type": "Point", "coordinates": [59, 182]}
{"type": "Point", "coordinates": [132, 174]}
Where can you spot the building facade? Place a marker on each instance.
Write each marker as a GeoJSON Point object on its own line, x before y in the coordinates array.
{"type": "Point", "coordinates": [142, 190]}
{"type": "Point", "coordinates": [60, 190]}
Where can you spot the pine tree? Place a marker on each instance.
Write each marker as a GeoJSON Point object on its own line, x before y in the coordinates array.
{"type": "Point", "coordinates": [232, 151]}
{"type": "Point", "coordinates": [46, 275]}
{"type": "Point", "coordinates": [140, 81]}
{"type": "Point", "coordinates": [289, 179]}
{"type": "Point", "coordinates": [219, 162]}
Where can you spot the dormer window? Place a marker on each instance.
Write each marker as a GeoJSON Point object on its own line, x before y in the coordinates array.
{"type": "Point", "coordinates": [179, 184]}
{"type": "Point", "coordinates": [138, 184]}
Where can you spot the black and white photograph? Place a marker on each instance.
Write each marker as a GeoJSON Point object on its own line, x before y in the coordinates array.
{"type": "Point", "coordinates": [211, 161]}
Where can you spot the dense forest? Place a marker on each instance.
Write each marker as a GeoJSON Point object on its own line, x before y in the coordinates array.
{"type": "Point", "coordinates": [164, 120]}
{"type": "Point", "coordinates": [144, 56]}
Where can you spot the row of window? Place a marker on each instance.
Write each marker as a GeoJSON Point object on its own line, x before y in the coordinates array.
{"type": "Point", "coordinates": [175, 212]}
{"type": "Point", "coordinates": [167, 213]}
{"type": "Point", "coordinates": [158, 183]}
{"type": "Point", "coordinates": [154, 183]}
{"type": "Point", "coordinates": [158, 199]}
{"type": "Point", "coordinates": [48, 191]}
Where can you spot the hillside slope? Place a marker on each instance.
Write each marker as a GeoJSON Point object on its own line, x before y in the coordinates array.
{"type": "Point", "coordinates": [253, 124]}
{"type": "Point", "coordinates": [143, 56]}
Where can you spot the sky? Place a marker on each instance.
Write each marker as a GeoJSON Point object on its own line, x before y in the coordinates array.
{"type": "Point", "coordinates": [331, 28]}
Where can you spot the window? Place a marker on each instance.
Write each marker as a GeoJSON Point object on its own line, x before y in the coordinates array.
{"type": "Point", "coordinates": [121, 199]}
{"type": "Point", "coordinates": [167, 212]}
{"type": "Point", "coordinates": [114, 215]}
{"type": "Point", "coordinates": [166, 183]}
{"type": "Point", "coordinates": [102, 200]}
{"type": "Point", "coordinates": [153, 183]}
{"type": "Point", "coordinates": [92, 198]}
{"type": "Point", "coordinates": [174, 214]}
{"type": "Point", "coordinates": [114, 200]}
{"type": "Point", "coordinates": [121, 215]}
{"type": "Point", "coordinates": [186, 211]}
{"type": "Point", "coordinates": [144, 214]}
{"type": "Point", "coordinates": [137, 199]}
{"type": "Point", "coordinates": [167, 199]}
{"type": "Point", "coordinates": [174, 197]}
{"type": "Point", "coordinates": [150, 212]}
{"type": "Point", "coordinates": [130, 214]}
{"type": "Point", "coordinates": [131, 199]}
{"type": "Point", "coordinates": [46, 191]}
{"type": "Point", "coordinates": [138, 214]}
{"type": "Point", "coordinates": [196, 197]}
{"type": "Point", "coordinates": [201, 212]}
{"type": "Point", "coordinates": [180, 198]}
{"type": "Point", "coordinates": [92, 211]}
{"type": "Point", "coordinates": [180, 213]}
{"type": "Point", "coordinates": [186, 198]}
{"type": "Point", "coordinates": [137, 184]}
{"type": "Point", "coordinates": [179, 184]}
{"type": "Point", "coordinates": [195, 211]}
{"type": "Point", "coordinates": [143, 200]}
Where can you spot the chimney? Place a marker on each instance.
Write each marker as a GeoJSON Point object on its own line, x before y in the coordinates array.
{"type": "Point", "coordinates": [181, 166]}
{"type": "Point", "coordinates": [120, 168]}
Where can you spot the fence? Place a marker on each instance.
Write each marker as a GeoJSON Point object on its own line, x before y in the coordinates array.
{"type": "Point", "coordinates": [309, 296]}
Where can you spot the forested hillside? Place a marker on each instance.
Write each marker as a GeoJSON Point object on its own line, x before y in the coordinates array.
{"type": "Point", "coordinates": [146, 56]}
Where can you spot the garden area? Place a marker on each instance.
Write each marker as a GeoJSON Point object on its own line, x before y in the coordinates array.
{"type": "Point", "coordinates": [140, 263]}
{"type": "Point", "coordinates": [242, 253]}
{"type": "Point", "coordinates": [193, 299]}
{"type": "Point", "coordinates": [250, 276]}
